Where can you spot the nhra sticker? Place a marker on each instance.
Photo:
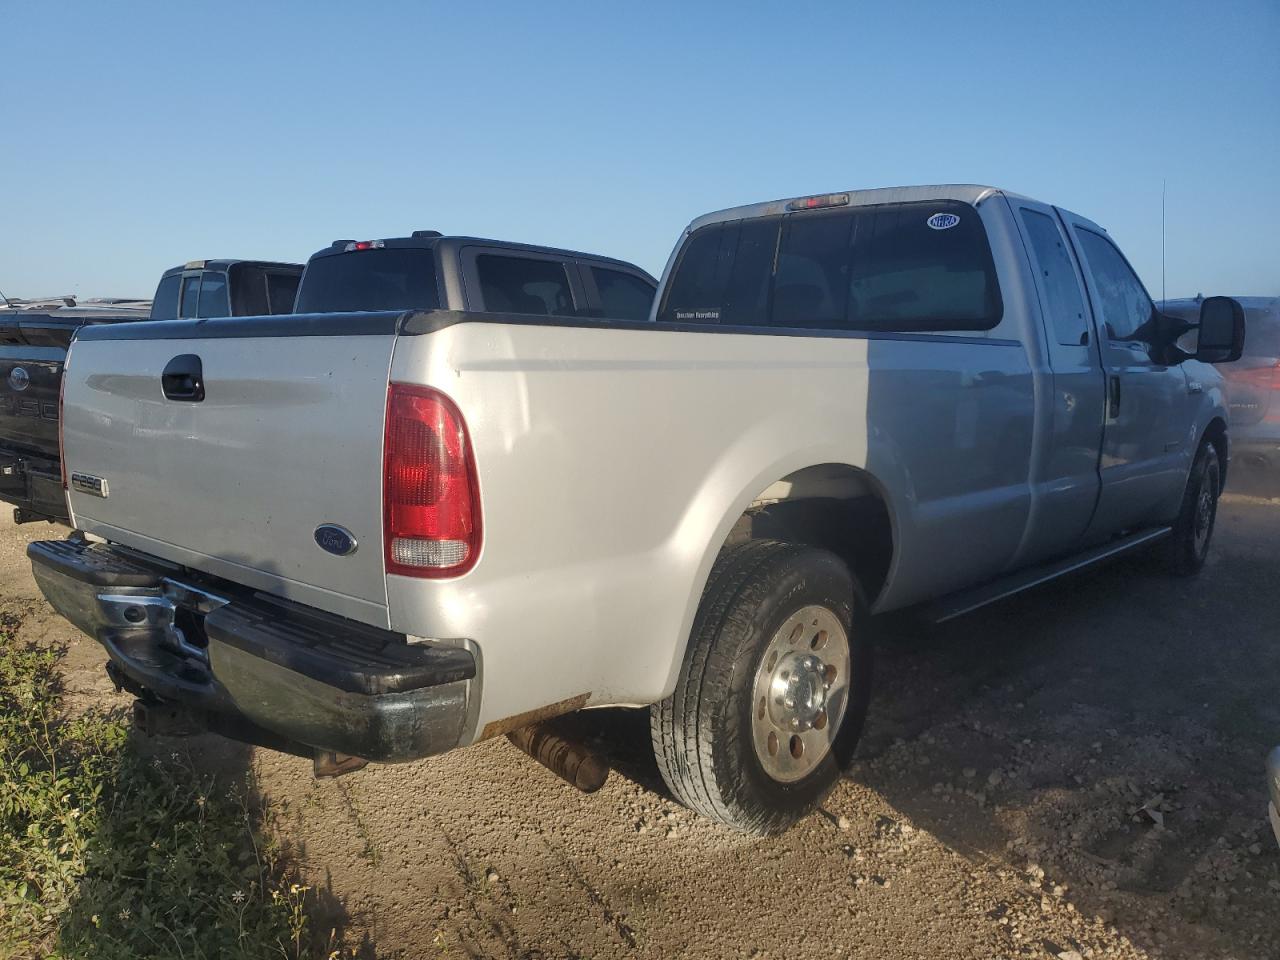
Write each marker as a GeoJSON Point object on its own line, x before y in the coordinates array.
{"type": "Point", "coordinates": [942, 221]}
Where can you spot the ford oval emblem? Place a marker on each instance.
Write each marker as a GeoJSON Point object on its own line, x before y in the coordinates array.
{"type": "Point", "coordinates": [19, 379]}
{"type": "Point", "coordinates": [334, 539]}
{"type": "Point", "coordinates": [942, 221]}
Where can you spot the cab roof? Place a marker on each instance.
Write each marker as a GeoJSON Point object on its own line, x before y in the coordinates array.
{"type": "Point", "coordinates": [226, 263]}
{"type": "Point", "coordinates": [970, 193]}
{"type": "Point", "coordinates": [430, 239]}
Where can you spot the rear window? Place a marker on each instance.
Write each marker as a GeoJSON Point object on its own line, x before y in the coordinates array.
{"type": "Point", "coordinates": [164, 305]}
{"type": "Point", "coordinates": [910, 266]}
{"type": "Point", "coordinates": [214, 301]}
{"type": "Point", "coordinates": [623, 296]}
{"type": "Point", "coordinates": [524, 285]}
{"type": "Point", "coordinates": [402, 278]}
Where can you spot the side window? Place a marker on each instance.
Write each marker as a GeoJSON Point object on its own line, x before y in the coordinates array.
{"type": "Point", "coordinates": [1125, 307]}
{"type": "Point", "coordinates": [1066, 306]}
{"type": "Point", "coordinates": [164, 305]}
{"type": "Point", "coordinates": [213, 295]}
{"type": "Point", "coordinates": [282, 290]}
{"type": "Point", "coordinates": [524, 285]}
{"type": "Point", "coordinates": [724, 274]}
{"type": "Point", "coordinates": [623, 295]}
{"type": "Point", "coordinates": [190, 294]}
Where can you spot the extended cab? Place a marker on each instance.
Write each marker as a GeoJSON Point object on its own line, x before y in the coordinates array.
{"type": "Point", "coordinates": [33, 347]}
{"type": "Point", "coordinates": [387, 535]}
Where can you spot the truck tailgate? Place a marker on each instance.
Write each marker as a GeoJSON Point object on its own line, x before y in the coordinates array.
{"type": "Point", "coordinates": [287, 438]}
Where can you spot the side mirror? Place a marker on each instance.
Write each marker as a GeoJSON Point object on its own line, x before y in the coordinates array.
{"type": "Point", "coordinates": [1221, 338]}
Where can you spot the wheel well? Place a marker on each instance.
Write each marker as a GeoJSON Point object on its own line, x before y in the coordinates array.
{"type": "Point", "coordinates": [1217, 432]}
{"type": "Point", "coordinates": [832, 506]}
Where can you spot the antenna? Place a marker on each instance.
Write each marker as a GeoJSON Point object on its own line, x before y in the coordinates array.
{"type": "Point", "coordinates": [1164, 188]}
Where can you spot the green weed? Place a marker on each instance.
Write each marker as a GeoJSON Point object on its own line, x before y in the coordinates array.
{"type": "Point", "coordinates": [105, 853]}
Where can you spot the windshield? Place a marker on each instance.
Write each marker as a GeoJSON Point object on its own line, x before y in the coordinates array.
{"type": "Point", "coordinates": [397, 279]}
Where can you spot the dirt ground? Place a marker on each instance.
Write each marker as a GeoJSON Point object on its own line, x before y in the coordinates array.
{"type": "Point", "coordinates": [1075, 772]}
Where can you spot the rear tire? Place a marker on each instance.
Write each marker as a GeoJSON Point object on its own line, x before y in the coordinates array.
{"type": "Point", "coordinates": [773, 690]}
{"type": "Point", "coordinates": [1188, 545]}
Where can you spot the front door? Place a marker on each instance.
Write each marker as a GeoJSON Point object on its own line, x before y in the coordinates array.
{"type": "Point", "coordinates": [1144, 456]}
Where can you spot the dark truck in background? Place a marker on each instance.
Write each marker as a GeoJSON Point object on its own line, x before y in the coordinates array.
{"type": "Point", "coordinates": [423, 271]}
{"type": "Point", "coordinates": [429, 271]}
{"type": "Point", "coordinates": [33, 347]}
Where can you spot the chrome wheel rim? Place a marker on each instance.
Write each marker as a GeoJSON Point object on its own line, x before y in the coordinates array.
{"type": "Point", "coordinates": [800, 692]}
{"type": "Point", "coordinates": [1204, 513]}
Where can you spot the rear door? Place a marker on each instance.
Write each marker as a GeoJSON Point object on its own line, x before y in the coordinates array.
{"type": "Point", "coordinates": [1145, 446]}
{"type": "Point", "coordinates": [287, 437]}
{"type": "Point", "coordinates": [1071, 482]}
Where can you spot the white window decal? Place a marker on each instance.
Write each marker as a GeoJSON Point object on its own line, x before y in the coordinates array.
{"type": "Point", "coordinates": [942, 221]}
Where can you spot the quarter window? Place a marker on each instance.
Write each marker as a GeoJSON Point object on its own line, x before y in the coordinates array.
{"type": "Point", "coordinates": [1125, 306]}
{"type": "Point", "coordinates": [1066, 306]}
{"type": "Point", "coordinates": [622, 295]}
{"type": "Point", "coordinates": [524, 285]}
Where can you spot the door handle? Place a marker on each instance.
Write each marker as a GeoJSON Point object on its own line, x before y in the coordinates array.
{"type": "Point", "coordinates": [183, 378]}
{"type": "Point", "coordinates": [1113, 402]}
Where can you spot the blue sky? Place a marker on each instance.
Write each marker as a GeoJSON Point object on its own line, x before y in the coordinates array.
{"type": "Point", "coordinates": [138, 135]}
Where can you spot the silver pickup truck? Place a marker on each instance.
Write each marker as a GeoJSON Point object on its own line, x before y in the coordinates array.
{"type": "Point", "coordinates": [386, 535]}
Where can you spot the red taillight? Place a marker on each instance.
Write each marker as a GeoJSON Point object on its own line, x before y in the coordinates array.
{"type": "Point", "coordinates": [430, 496]}
{"type": "Point", "coordinates": [1261, 378]}
{"type": "Point", "coordinates": [816, 203]}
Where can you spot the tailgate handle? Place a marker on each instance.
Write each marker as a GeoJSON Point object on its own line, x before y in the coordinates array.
{"type": "Point", "coordinates": [183, 378]}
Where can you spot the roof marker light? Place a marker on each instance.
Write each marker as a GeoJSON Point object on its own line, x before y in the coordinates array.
{"type": "Point", "coordinates": [364, 245]}
{"type": "Point", "coordinates": [823, 200]}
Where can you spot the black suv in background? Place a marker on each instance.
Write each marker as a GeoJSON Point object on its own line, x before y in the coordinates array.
{"type": "Point", "coordinates": [428, 271]}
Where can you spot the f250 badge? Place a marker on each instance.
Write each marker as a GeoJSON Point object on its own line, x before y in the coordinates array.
{"type": "Point", "coordinates": [87, 483]}
{"type": "Point", "coordinates": [334, 539]}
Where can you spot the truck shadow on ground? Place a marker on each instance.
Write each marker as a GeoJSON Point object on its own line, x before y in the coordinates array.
{"type": "Point", "coordinates": [1102, 736]}
{"type": "Point", "coordinates": [1107, 730]}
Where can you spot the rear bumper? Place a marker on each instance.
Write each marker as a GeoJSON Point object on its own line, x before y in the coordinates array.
{"type": "Point", "coordinates": [1273, 790]}
{"type": "Point", "coordinates": [307, 677]}
{"type": "Point", "coordinates": [33, 484]}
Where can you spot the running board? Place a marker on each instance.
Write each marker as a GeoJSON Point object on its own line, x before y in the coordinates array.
{"type": "Point", "coordinates": [958, 604]}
